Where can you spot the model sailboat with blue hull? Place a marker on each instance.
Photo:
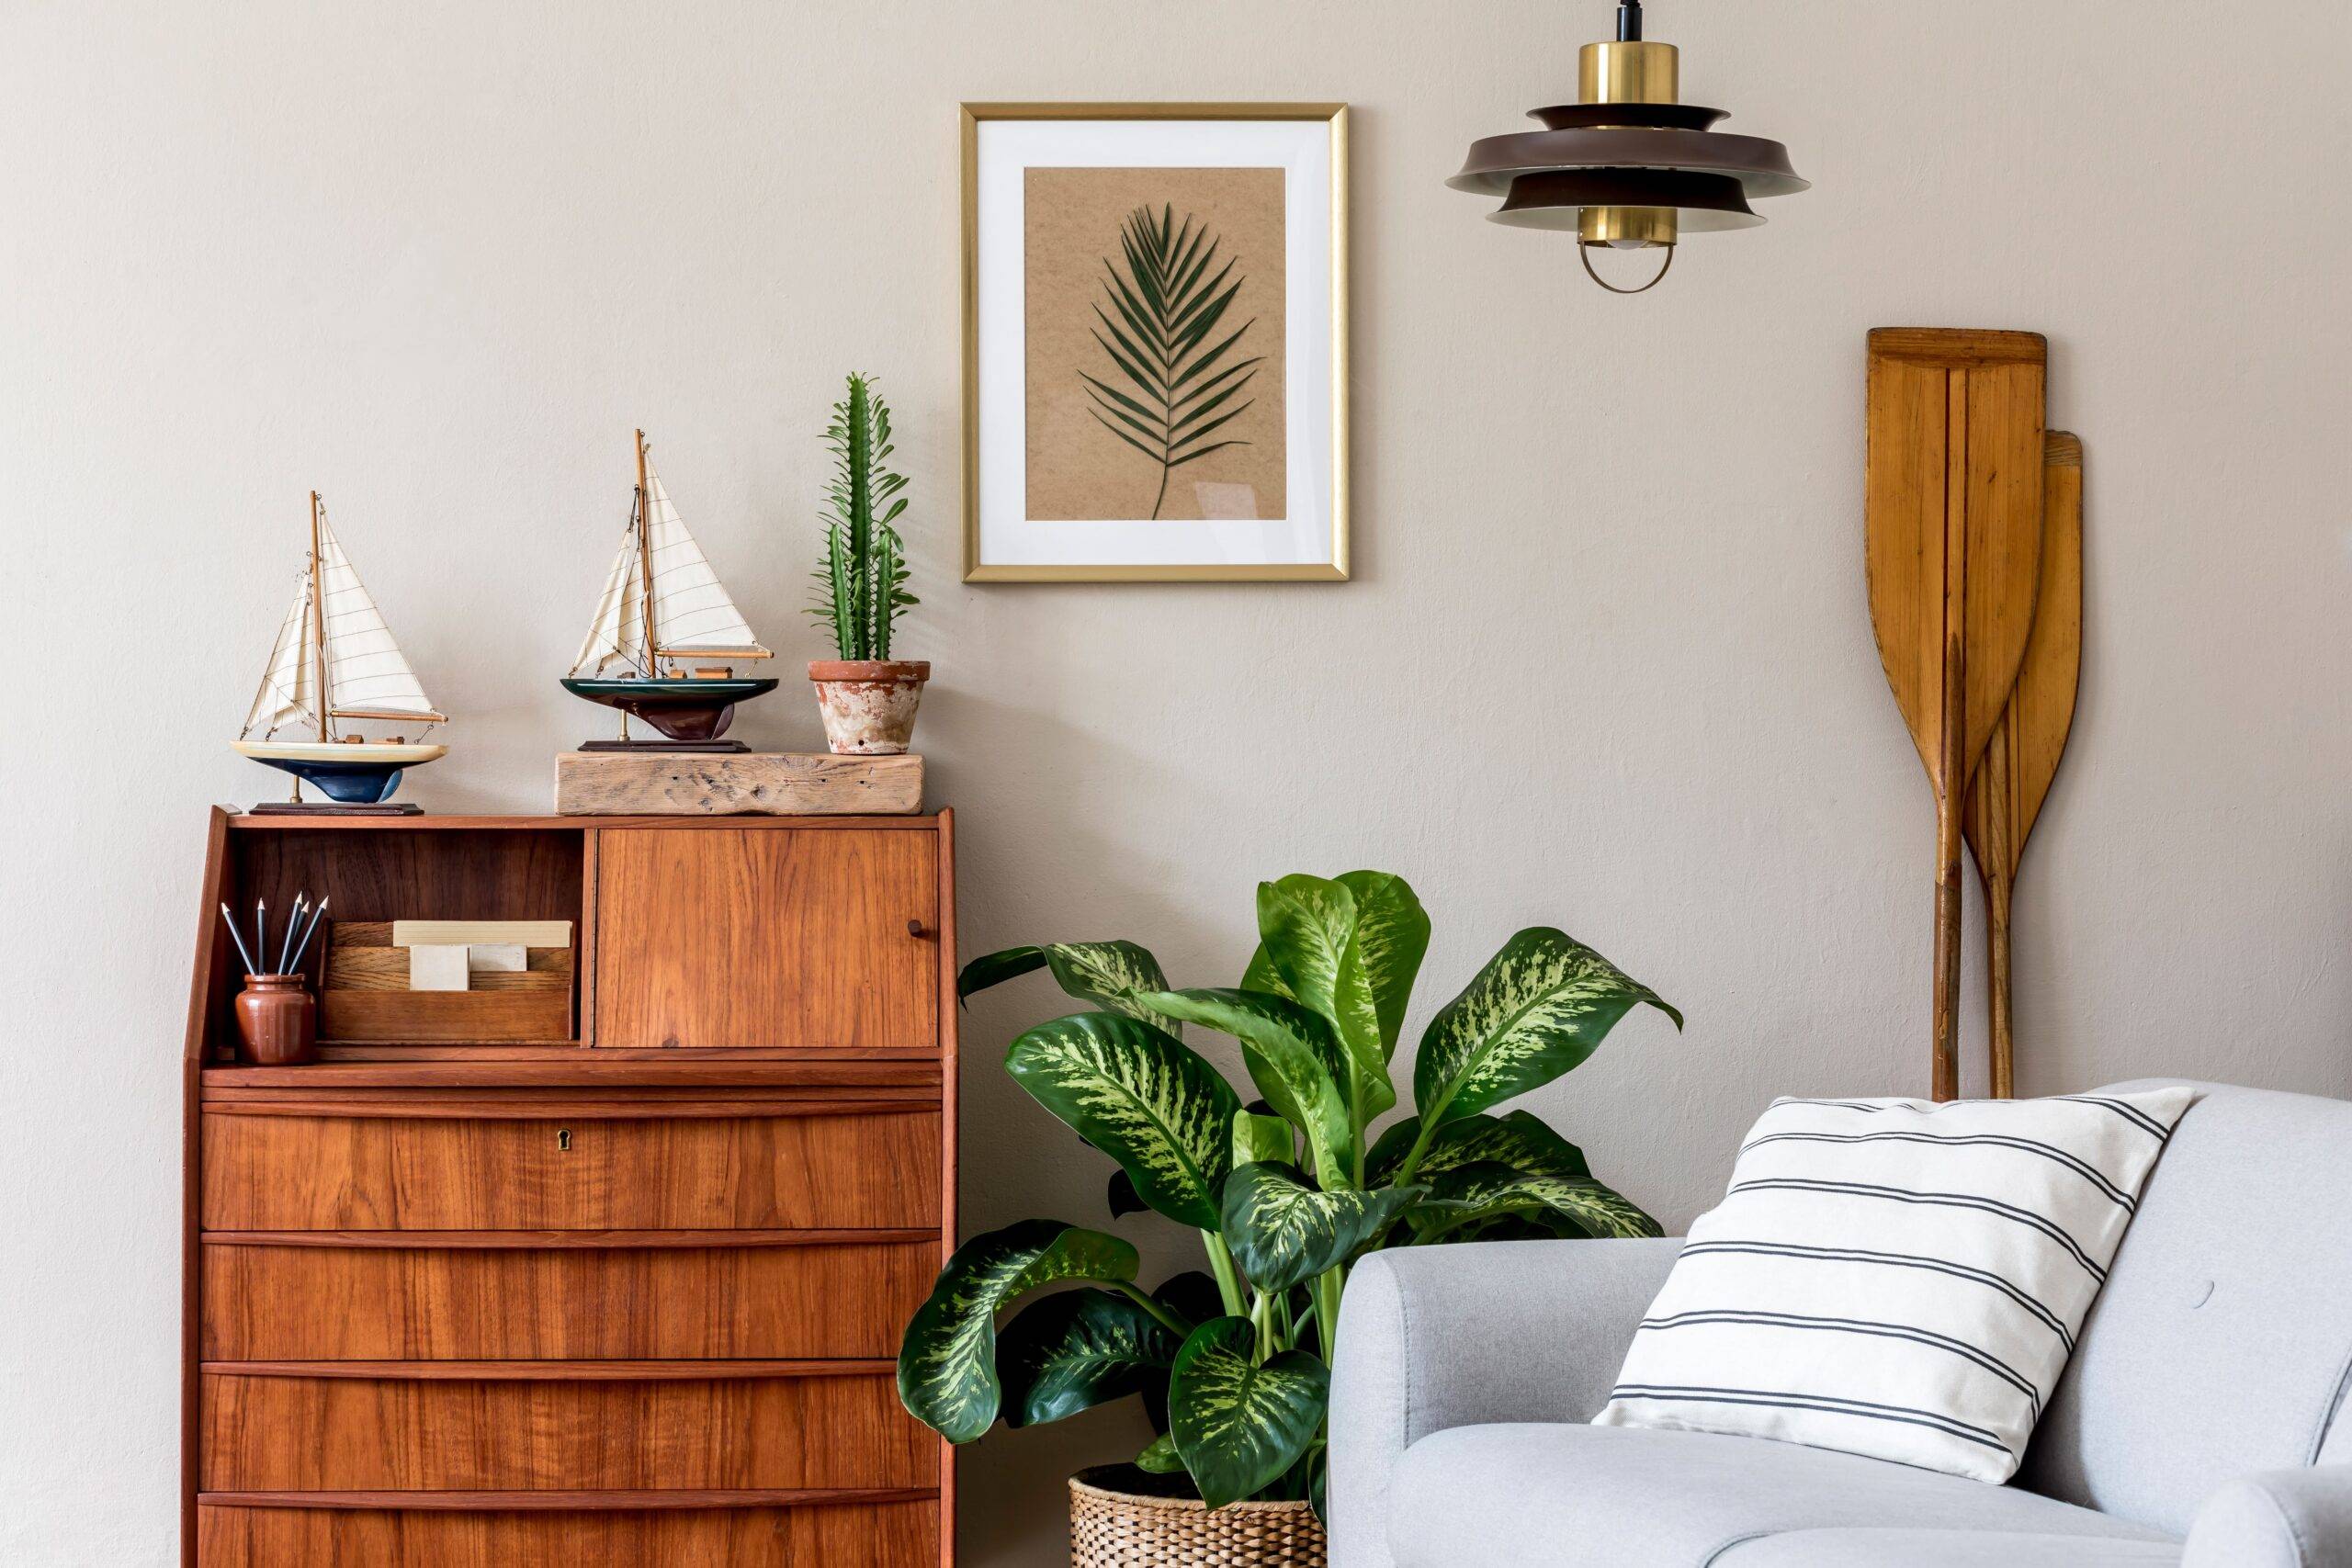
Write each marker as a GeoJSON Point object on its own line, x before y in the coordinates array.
{"type": "Point", "coordinates": [335, 664]}
{"type": "Point", "coordinates": [664, 607]}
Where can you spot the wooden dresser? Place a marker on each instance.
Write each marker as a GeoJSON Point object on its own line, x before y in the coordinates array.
{"type": "Point", "coordinates": [628, 1298]}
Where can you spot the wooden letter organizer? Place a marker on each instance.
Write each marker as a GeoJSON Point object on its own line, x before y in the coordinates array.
{"type": "Point", "coordinates": [620, 1283]}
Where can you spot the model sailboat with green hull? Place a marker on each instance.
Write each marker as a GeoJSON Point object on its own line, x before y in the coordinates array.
{"type": "Point", "coordinates": [335, 664]}
{"type": "Point", "coordinates": [666, 635]}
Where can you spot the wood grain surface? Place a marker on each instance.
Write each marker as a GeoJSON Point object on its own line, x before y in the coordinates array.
{"type": "Point", "coordinates": [720, 1430]}
{"type": "Point", "coordinates": [387, 969]}
{"type": "Point", "coordinates": [1954, 539]}
{"type": "Point", "coordinates": [618, 1167]}
{"type": "Point", "coordinates": [767, 937]}
{"type": "Point", "coordinates": [500, 1303]}
{"type": "Point", "coordinates": [881, 1535]}
{"type": "Point", "coordinates": [778, 784]}
{"type": "Point", "coordinates": [2005, 799]}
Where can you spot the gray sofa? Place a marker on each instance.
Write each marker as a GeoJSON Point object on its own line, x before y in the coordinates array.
{"type": "Point", "coordinates": [2197, 1424]}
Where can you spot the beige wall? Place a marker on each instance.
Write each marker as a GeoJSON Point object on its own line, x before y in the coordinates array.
{"type": "Point", "coordinates": [1606, 662]}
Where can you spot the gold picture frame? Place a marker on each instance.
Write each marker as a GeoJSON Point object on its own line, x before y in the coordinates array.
{"type": "Point", "coordinates": [1335, 568]}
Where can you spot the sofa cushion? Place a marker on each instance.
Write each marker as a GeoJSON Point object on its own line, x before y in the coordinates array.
{"type": "Point", "coordinates": [1576, 1497]}
{"type": "Point", "coordinates": [2223, 1339]}
{"type": "Point", "coordinates": [1896, 1277]}
{"type": "Point", "coordinates": [1942, 1548]}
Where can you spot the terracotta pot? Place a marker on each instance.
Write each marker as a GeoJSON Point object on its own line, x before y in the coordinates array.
{"type": "Point", "coordinates": [1121, 1517]}
{"type": "Point", "coordinates": [277, 1021]}
{"type": "Point", "coordinates": [868, 703]}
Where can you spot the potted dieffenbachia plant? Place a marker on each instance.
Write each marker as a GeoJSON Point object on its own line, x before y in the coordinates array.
{"type": "Point", "coordinates": [866, 698]}
{"type": "Point", "coordinates": [1287, 1189]}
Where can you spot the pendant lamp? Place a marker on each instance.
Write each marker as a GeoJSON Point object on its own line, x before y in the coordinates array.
{"type": "Point", "coordinates": [1628, 165]}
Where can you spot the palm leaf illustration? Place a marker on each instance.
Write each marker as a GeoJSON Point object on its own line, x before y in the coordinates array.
{"type": "Point", "coordinates": [1171, 394]}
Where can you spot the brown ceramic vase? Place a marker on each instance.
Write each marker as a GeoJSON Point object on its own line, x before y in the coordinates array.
{"type": "Point", "coordinates": [277, 1021]}
{"type": "Point", "coordinates": [868, 704]}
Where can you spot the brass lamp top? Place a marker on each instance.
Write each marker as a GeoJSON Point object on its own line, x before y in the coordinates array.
{"type": "Point", "coordinates": [1629, 72]}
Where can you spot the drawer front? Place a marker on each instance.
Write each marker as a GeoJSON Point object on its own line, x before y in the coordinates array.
{"type": "Point", "coordinates": [546, 1430]}
{"type": "Point", "coordinates": [550, 1172]}
{"type": "Point", "coordinates": [716, 936]}
{"type": "Point", "coordinates": [623, 1303]}
{"type": "Point", "coordinates": [885, 1535]}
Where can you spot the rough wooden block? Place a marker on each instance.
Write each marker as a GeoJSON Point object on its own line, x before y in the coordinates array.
{"type": "Point", "coordinates": [765, 783]}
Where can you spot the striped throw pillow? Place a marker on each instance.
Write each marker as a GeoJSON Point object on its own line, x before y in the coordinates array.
{"type": "Point", "coordinates": [1896, 1277]}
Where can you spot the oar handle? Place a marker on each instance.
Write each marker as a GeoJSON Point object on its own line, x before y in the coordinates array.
{"type": "Point", "coordinates": [1997, 980]}
{"type": "Point", "coordinates": [1952, 783]}
{"type": "Point", "coordinates": [1946, 1063]}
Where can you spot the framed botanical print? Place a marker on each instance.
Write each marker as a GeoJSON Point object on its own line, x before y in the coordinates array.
{"type": "Point", "coordinates": [1155, 342]}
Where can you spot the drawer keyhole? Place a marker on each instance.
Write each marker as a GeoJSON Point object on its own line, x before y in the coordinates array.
{"type": "Point", "coordinates": [563, 1139]}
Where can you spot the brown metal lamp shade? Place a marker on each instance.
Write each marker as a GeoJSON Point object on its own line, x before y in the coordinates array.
{"type": "Point", "coordinates": [1556, 198]}
{"type": "Point", "coordinates": [1628, 167]}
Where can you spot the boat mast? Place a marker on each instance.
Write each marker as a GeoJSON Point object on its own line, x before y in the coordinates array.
{"type": "Point", "coordinates": [318, 622]}
{"type": "Point", "coordinates": [645, 561]}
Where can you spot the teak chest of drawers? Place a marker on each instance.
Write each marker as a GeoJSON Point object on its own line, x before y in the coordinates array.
{"type": "Point", "coordinates": [628, 1299]}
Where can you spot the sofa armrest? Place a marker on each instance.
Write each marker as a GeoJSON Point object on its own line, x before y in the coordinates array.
{"type": "Point", "coordinates": [2278, 1519]}
{"type": "Point", "coordinates": [1438, 1337]}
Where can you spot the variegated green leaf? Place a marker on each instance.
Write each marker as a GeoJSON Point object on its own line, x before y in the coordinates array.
{"type": "Point", "coordinates": [996, 968]}
{"type": "Point", "coordinates": [1239, 1424]}
{"type": "Point", "coordinates": [1478, 1192]}
{"type": "Point", "coordinates": [1308, 924]}
{"type": "Point", "coordinates": [1384, 951]}
{"type": "Point", "coordinates": [1519, 1141]}
{"type": "Point", "coordinates": [1140, 1096]}
{"type": "Point", "coordinates": [1191, 1296]}
{"type": "Point", "coordinates": [1293, 1056]}
{"type": "Point", "coordinates": [1539, 1008]}
{"type": "Point", "coordinates": [1160, 1458]}
{"type": "Point", "coordinates": [1261, 975]}
{"type": "Point", "coordinates": [1108, 974]}
{"type": "Point", "coordinates": [1076, 1349]}
{"type": "Point", "coordinates": [1257, 1137]}
{"type": "Point", "coordinates": [1388, 1150]}
{"type": "Point", "coordinates": [1282, 1231]}
{"type": "Point", "coordinates": [947, 1374]}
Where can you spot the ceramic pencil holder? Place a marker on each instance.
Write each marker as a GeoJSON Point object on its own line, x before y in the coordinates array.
{"type": "Point", "coordinates": [277, 1021]}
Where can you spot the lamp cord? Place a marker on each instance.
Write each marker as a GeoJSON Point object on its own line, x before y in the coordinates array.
{"type": "Point", "coordinates": [1629, 21]}
{"type": "Point", "coordinates": [1584, 254]}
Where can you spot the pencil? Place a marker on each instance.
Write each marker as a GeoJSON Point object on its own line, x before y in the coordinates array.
{"type": "Point", "coordinates": [239, 938]}
{"type": "Point", "coordinates": [286, 946]}
{"type": "Point", "coordinates": [304, 947]}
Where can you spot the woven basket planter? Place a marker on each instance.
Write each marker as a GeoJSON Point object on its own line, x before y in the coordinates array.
{"type": "Point", "coordinates": [1110, 1527]}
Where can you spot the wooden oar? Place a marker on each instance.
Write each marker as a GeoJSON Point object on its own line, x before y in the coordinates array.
{"type": "Point", "coordinates": [2022, 757]}
{"type": "Point", "coordinates": [1953, 514]}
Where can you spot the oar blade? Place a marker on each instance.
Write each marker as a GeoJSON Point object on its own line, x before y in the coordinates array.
{"type": "Point", "coordinates": [2005, 798]}
{"type": "Point", "coordinates": [1953, 519]}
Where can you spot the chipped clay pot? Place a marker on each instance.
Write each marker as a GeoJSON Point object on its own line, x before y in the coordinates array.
{"type": "Point", "coordinates": [868, 704]}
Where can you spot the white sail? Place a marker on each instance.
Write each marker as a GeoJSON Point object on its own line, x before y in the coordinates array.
{"type": "Point", "coordinates": [692, 613]}
{"type": "Point", "coordinates": [287, 690]}
{"type": "Point", "coordinates": [616, 635]}
{"type": "Point", "coordinates": [367, 676]}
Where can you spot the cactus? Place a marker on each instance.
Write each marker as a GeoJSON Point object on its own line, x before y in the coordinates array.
{"type": "Point", "coordinates": [861, 582]}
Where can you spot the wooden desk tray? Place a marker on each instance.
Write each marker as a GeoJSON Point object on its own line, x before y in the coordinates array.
{"type": "Point", "coordinates": [364, 996]}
